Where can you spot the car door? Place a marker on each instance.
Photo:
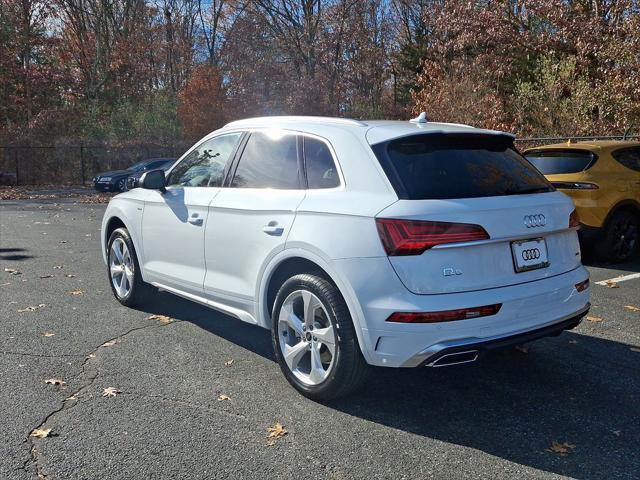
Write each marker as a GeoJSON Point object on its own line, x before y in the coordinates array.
{"type": "Point", "coordinates": [249, 220]}
{"type": "Point", "coordinates": [174, 222]}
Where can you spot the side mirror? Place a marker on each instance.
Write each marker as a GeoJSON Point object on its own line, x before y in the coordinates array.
{"type": "Point", "coordinates": [153, 180]}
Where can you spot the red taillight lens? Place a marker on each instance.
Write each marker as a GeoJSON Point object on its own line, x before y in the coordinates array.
{"type": "Point", "coordinates": [412, 237]}
{"type": "Point", "coordinates": [444, 315]}
{"type": "Point", "coordinates": [574, 220]}
{"type": "Point", "coordinates": [582, 286]}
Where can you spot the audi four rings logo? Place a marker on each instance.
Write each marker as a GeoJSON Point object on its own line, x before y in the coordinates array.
{"type": "Point", "coordinates": [538, 220]}
{"type": "Point", "coordinates": [530, 254]}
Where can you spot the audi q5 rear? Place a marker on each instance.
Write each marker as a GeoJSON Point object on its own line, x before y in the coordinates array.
{"type": "Point", "coordinates": [397, 244]}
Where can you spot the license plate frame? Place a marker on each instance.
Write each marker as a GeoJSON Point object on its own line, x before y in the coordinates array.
{"type": "Point", "coordinates": [529, 254]}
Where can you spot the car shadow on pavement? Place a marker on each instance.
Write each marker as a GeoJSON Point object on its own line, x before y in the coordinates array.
{"type": "Point", "coordinates": [578, 391]}
{"type": "Point", "coordinates": [13, 254]}
{"type": "Point", "coordinates": [631, 266]}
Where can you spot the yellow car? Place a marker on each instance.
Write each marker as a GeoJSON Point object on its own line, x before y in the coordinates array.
{"type": "Point", "coordinates": [603, 179]}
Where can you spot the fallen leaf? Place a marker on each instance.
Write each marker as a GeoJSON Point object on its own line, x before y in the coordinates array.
{"type": "Point", "coordinates": [594, 319]}
{"type": "Point", "coordinates": [91, 355]}
{"type": "Point", "coordinates": [562, 449]}
{"type": "Point", "coordinates": [110, 392]}
{"type": "Point", "coordinates": [6, 284]}
{"type": "Point", "coordinates": [31, 308]}
{"type": "Point", "coordinates": [223, 397]}
{"type": "Point", "coordinates": [271, 443]}
{"type": "Point", "coordinates": [12, 271]}
{"type": "Point", "coordinates": [110, 343]}
{"type": "Point", "coordinates": [76, 292]}
{"type": "Point", "coordinates": [228, 363]}
{"type": "Point", "coordinates": [40, 432]}
{"type": "Point", "coordinates": [63, 241]}
{"type": "Point", "coordinates": [276, 431]}
{"type": "Point", "coordinates": [522, 348]}
{"type": "Point", "coordinates": [57, 267]}
{"type": "Point", "coordinates": [161, 318]}
{"type": "Point", "coordinates": [69, 275]}
{"type": "Point", "coordinates": [48, 334]}
{"type": "Point", "coordinates": [46, 276]}
{"type": "Point", "coordinates": [616, 432]}
{"type": "Point", "coordinates": [611, 284]}
{"type": "Point", "coordinates": [55, 381]}
{"type": "Point", "coordinates": [633, 308]}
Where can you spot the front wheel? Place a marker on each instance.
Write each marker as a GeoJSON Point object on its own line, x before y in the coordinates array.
{"type": "Point", "coordinates": [314, 339]}
{"type": "Point", "coordinates": [121, 186]}
{"type": "Point", "coordinates": [124, 271]}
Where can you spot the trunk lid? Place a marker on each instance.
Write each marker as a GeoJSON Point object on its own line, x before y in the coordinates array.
{"type": "Point", "coordinates": [491, 263]}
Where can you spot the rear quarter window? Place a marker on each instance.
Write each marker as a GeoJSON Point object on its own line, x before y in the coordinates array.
{"type": "Point", "coordinates": [442, 166]}
{"type": "Point", "coordinates": [551, 162]}
{"type": "Point", "coordinates": [629, 157]}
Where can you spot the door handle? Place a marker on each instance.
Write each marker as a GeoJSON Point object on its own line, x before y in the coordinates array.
{"type": "Point", "coordinates": [272, 228]}
{"type": "Point", "coordinates": [196, 220]}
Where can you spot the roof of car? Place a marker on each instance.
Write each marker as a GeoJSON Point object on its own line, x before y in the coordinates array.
{"type": "Point", "coordinates": [376, 131]}
{"type": "Point", "coordinates": [590, 145]}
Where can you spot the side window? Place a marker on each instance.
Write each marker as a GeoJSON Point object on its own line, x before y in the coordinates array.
{"type": "Point", "coordinates": [268, 162]}
{"type": "Point", "coordinates": [204, 165]}
{"type": "Point", "coordinates": [629, 157]}
{"type": "Point", "coordinates": [318, 161]}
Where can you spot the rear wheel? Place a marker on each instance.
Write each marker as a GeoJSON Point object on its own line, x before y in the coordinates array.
{"type": "Point", "coordinates": [124, 271]}
{"type": "Point", "coordinates": [314, 339]}
{"type": "Point", "coordinates": [620, 238]}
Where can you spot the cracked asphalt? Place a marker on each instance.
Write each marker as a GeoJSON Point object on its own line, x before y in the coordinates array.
{"type": "Point", "coordinates": [498, 417]}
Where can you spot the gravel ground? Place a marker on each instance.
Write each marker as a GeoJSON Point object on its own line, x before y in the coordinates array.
{"type": "Point", "coordinates": [496, 418]}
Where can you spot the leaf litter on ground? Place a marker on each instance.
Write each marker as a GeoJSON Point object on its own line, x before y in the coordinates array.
{"type": "Point", "coordinates": [561, 449]}
{"type": "Point", "coordinates": [55, 381]}
{"type": "Point", "coordinates": [110, 392]}
{"type": "Point", "coordinates": [40, 432]}
{"type": "Point", "coordinates": [164, 319]}
{"type": "Point", "coordinates": [31, 308]}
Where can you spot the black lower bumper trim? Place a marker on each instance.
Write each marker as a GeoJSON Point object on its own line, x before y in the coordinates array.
{"type": "Point", "coordinates": [510, 341]}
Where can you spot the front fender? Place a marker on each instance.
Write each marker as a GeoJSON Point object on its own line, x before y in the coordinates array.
{"type": "Point", "coordinates": [129, 212]}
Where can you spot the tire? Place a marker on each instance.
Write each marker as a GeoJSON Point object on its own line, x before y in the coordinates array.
{"type": "Point", "coordinates": [121, 185]}
{"type": "Point", "coordinates": [134, 291]}
{"type": "Point", "coordinates": [338, 372]}
{"type": "Point", "coordinates": [620, 237]}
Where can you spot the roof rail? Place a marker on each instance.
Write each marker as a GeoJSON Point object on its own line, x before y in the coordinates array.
{"type": "Point", "coordinates": [296, 118]}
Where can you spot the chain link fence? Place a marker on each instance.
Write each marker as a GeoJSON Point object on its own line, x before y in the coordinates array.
{"type": "Point", "coordinates": [73, 164]}
{"type": "Point", "coordinates": [78, 164]}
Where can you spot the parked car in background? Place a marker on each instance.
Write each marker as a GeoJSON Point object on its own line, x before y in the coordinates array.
{"type": "Point", "coordinates": [603, 179]}
{"type": "Point", "coordinates": [387, 243]}
{"type": "Point", "coordinates": [116, 181]}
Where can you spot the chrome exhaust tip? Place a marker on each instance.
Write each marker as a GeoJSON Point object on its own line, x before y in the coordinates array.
{"type": "Point", "coordinates": [455, 358]}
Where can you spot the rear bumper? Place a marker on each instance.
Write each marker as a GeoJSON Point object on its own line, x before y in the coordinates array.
{"type": "Point", "coordinates": [374, 292]}
{"type": "Point", "coordinates": [437, 355]}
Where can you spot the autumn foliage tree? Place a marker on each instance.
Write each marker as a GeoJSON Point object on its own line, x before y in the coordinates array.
{"type": "Point", "coordinates": [202, 103]}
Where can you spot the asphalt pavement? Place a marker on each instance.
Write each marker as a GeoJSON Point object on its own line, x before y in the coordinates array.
{"type": "Point", "coordinates": [194, 397]}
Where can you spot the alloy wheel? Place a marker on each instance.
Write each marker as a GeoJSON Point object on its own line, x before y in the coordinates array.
{"type": "Point", "coordinates": [306, 337]}
{"type": "Point", "coordinates": [121, 267]}
{"type": "Point", "coordinates": [625, 234]}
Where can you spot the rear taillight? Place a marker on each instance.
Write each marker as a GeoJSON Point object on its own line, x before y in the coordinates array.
{"type": "Point", "coordinates": [444, 315]}
{"type": "Point", "coordinates": [412, 237]}
{"type": "Point", "coordinates": [575, 185]}
{"type": "Point", "coordinates": [574, 220]}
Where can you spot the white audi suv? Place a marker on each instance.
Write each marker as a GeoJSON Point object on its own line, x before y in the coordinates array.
{"type": "Point", "coordinates": [357, 243]}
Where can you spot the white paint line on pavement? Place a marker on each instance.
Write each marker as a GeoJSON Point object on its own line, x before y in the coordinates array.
{"type": "Point", "coordinates": [623, 278]}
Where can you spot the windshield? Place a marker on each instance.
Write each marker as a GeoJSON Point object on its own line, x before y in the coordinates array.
{"type": "Point", "coordinates": [441, 166]}
{"type": "Point", "coordinates": [551, 162]}
{"type": "Point", "coordinates": [137, 167]}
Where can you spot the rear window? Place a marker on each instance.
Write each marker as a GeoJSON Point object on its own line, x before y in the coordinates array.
{"type": "Point", "coordinates": [551, 162]}
{"type": "Point", "coordinates": [629, 157]}
{"type": "Point", "coordinates": [440, 166]}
